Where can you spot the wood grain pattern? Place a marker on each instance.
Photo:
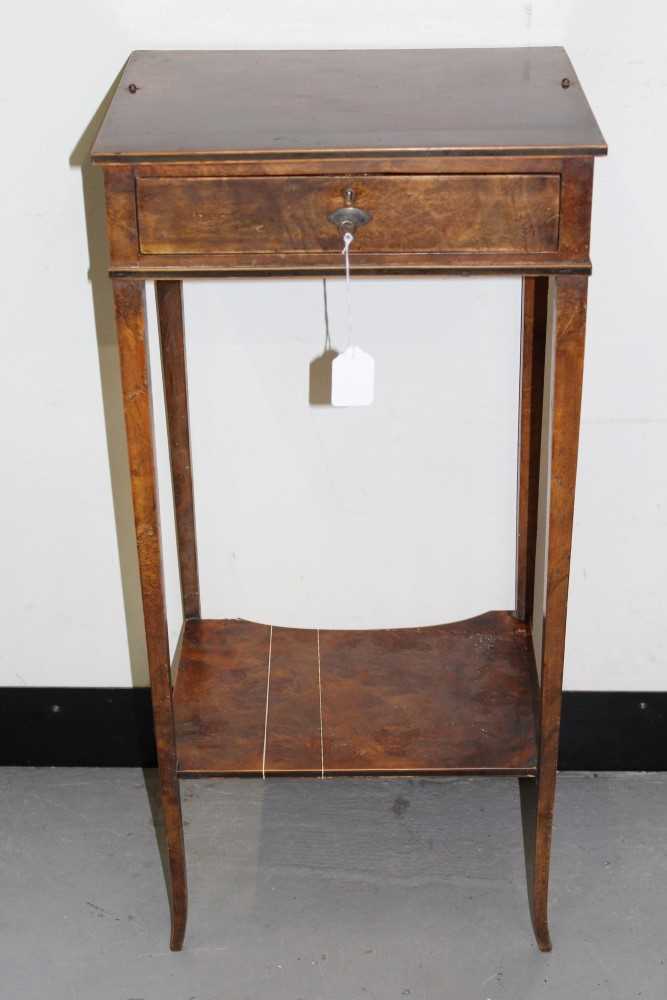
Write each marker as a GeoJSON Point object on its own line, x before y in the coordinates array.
{"type": "Point", "coordinates": [571, 254]}
{"type": "Point", "coordinates": [568, 359]}
{"type": "Point", "coordinates": [121, 215]}
{"type": "Point", "coordinates": [321, 166]}
{"type": "Point", "coordinates": [129, 298]}
{"type": "Point", "coordinates": [308, 265]}
{"type": "Point", "coordinates": [169, 298]}
{"type": "Point", "coordinates": [447, 699]}
{"type": "Point", "coordinates": [293, 731]}
{"type": "Point", "coordinates": [576, 200]}
{"type": "Point", "coordinates": [210, 104]}
{"type": "Point", "coordinates": [216, 215]}
{"type": "Point", "coordinates": [220, 696]}
{"type": "Point", "coordinates": [533, 340]}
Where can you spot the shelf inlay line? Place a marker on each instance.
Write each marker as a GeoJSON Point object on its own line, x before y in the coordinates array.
{"type": "Point", "coordinates": [266, 710]}
{"type": "Point", "coordinates": [319, 688]}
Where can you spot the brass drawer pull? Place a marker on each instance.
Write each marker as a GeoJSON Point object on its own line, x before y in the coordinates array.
{"type": "Point", "coordinates": [349, 218]}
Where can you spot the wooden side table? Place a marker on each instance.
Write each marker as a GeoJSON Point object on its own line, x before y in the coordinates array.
{"type": "Point", "coordinates": [445, 162]}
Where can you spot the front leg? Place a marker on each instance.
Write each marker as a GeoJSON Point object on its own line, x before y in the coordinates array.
{"type": "Point", "coordinates": [567, 358]}
{"type": "Point", "coordinates": [130, 305]}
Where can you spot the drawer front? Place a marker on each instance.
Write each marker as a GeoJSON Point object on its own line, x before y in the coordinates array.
{"type": "Point", "coordinates": [426, 213]}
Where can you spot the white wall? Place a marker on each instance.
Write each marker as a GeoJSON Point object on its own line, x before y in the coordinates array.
{"type": "Point", "coordinates": [312, 516]}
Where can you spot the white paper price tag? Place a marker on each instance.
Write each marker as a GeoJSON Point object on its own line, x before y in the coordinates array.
{"type": "Point", "coordinates": [352, 378]}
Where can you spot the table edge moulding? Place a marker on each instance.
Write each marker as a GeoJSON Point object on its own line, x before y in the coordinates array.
{"type": "Point", "coordinates": [461, 161]}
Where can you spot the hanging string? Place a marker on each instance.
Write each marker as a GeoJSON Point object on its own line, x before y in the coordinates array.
{"type": "Point", "coordinates": [328, 346]}
{"type": "Point", "coordinates": [347, 239]}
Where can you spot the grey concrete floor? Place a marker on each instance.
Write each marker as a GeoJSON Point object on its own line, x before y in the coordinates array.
{"type": "Point", "coordinates": [347, 889]}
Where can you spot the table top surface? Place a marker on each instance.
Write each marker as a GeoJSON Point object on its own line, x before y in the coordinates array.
{"type": "Point", "coordinates": [198, 105]}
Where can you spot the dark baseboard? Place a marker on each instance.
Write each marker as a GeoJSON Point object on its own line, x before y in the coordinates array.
{"type": "Point", "coordinates": [613, 731]}
{"type": "Point", "coordinates": [90, 727]}
{"type": "Point", "coordinates": [112, 727]}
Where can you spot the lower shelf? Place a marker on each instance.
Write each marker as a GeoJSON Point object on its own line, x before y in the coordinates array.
{"type": "Point", "coordinates": [449, 699]}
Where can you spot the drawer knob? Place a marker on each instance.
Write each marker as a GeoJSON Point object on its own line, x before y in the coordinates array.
{"type": "Point", "coordinates": [349, 218]}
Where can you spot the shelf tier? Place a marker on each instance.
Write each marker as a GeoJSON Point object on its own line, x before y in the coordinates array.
{"type": "Point", "coordinates": [447, 699]}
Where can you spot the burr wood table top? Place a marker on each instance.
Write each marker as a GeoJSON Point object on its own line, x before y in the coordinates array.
{"type": "Point", "coordinates": [515, 101]}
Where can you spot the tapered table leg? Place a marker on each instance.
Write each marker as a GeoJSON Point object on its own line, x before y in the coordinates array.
{"type": "Point", "coordinates": [130, 305]}
{"type": "Point", "coordinates": [567, 369]}
{"type": "Point", "coordinates": [533, 338]}
{"type": "Point", "coordinates": [169, 295]}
